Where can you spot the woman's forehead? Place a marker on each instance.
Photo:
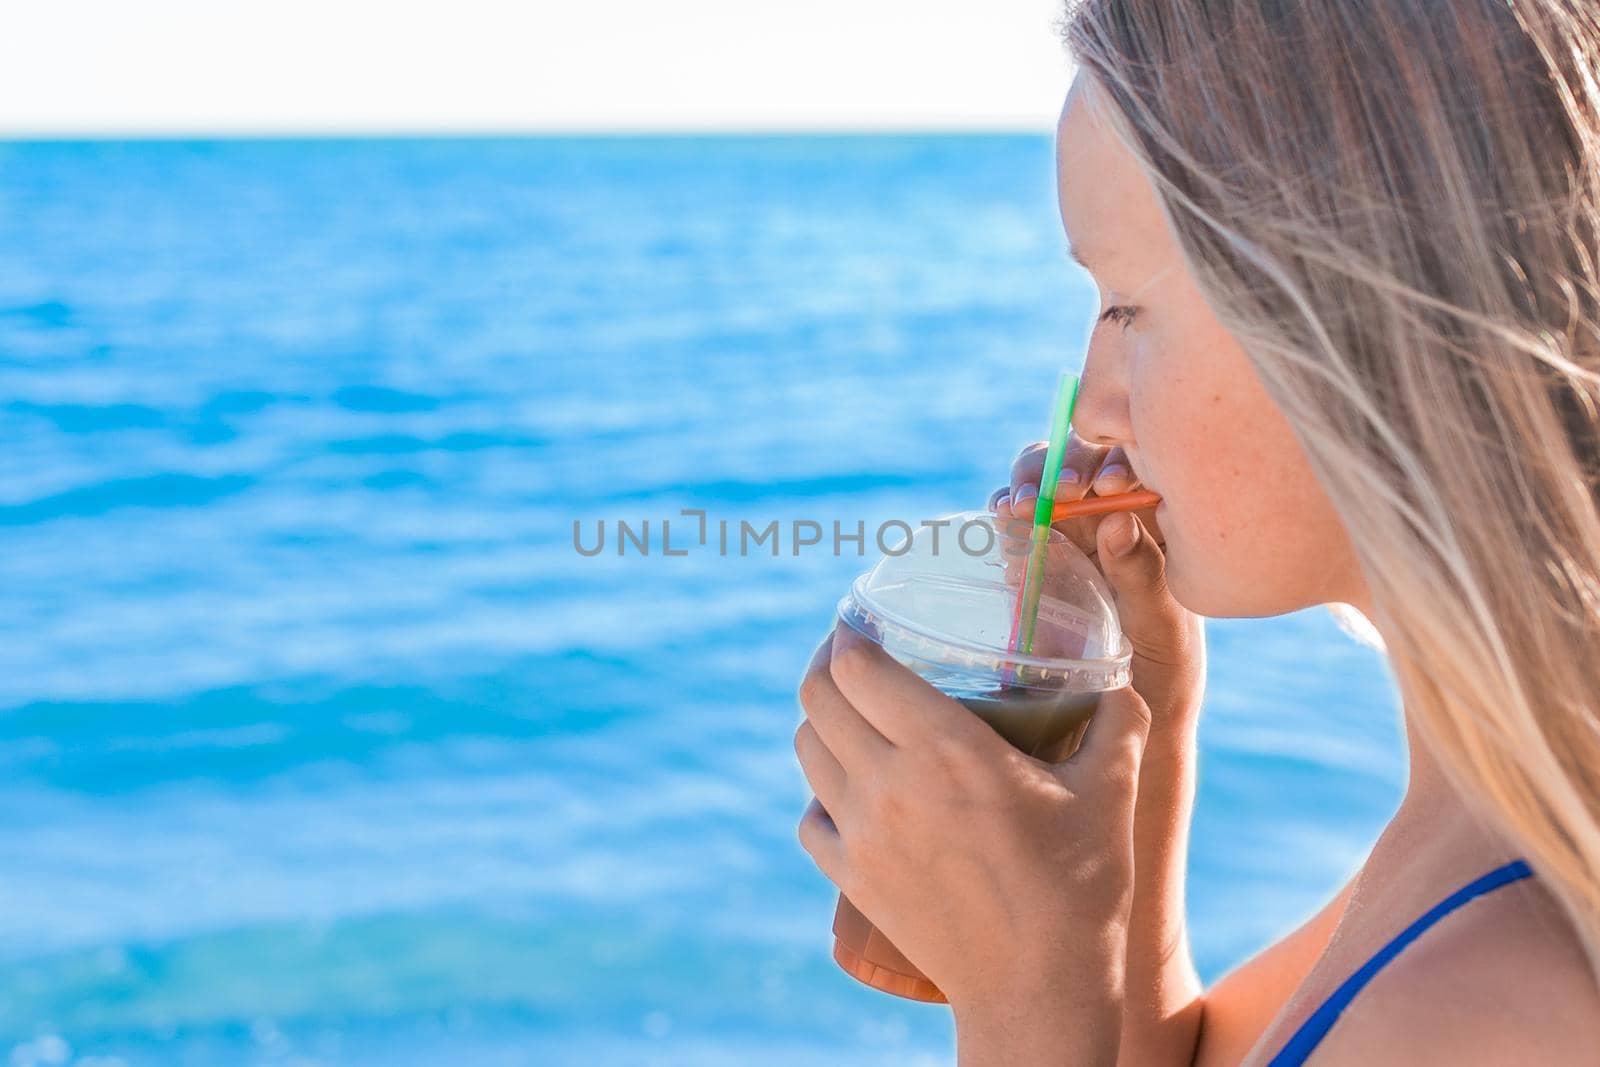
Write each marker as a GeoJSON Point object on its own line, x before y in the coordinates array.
{"type": "Point", "coordinates": [1107, 202]}
{"type": "Point", "coordinates": [1086, 148]}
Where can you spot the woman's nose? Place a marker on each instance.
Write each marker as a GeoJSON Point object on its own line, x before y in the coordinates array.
{"type": "Point", "coordinates": [1101, 414]}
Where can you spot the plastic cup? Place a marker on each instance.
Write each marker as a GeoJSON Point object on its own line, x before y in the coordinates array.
{"type": "Point", "coordinates": [943, 605]}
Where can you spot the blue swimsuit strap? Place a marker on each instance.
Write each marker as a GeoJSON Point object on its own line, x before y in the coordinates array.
{"type": "Point", "coordinates": [1314, 1029]}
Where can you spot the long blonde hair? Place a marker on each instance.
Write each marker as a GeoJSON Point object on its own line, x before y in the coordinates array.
{"type": "Point", "coordinates": [1394, 205]}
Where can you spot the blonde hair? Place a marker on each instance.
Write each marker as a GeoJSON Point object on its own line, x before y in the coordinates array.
{"type": "Point", "coordinates": [1394, 205]}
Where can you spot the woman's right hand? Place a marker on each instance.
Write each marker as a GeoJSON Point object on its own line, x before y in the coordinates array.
{"type": "Point", "coordinates": [1162, 1000]}
{"type": "Point", "coordinates": [1168, 640]}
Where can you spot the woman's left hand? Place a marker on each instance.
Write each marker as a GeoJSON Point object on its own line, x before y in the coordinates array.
{"type": "Point", "coordinates": [1005, 879]}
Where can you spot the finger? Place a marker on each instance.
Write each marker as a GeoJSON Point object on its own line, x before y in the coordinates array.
{"type": "Point", "coordinates": [1080, 529]}
{"type": "Point", "coordinates": [1013, 523]}
{"type": "Point", "coordinates": [1136, 569]}
{"type": "Point", "coordinates": [899, 705]}
{"type": "Point", "coordinates": [998, 496]}
{"type": "Point", "coordinates": [824, 774]}
{"type": "Point", "coordinates": [1083, 530]}
{"type": "Point", "coordinates": [1115, 474]}
{"type": "Point", "coordinates": [853, 741]}
{"type": "Point", "coordinates": [1113, 745]}
{"type": "Point", "coordinates": [1078, 466]}
{"type": "Point", "coordinates": [1015, 533]}
{"type": "Point", "coordinates": [1079, 461]}
{"type": "Point", "coordinates": [1027, 467]}
{"type": "Point", "coordinates": [820, 838]}
{"type": "Point", "coordinates": [1026, 470]}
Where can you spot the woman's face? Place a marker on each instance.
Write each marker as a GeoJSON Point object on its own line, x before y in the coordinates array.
{"type": "Point", "coordinates": [1249, 532]}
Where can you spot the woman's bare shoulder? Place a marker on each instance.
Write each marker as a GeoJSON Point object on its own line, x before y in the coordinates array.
{"type": "Point", "coordinates": [1503, 980]}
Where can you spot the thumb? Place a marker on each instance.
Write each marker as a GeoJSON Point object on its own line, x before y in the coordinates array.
{"type": "Point", "coordinates": [1137, 570]}
{"type": "Point", "coordinates": [1114, 743]}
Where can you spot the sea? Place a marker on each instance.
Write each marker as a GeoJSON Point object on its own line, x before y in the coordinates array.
{"type": "Point", "coordinates": [324, 740]}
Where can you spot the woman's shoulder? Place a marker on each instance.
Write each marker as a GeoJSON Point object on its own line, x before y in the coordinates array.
{"type": "Point", "coordinates": [1502, 980]}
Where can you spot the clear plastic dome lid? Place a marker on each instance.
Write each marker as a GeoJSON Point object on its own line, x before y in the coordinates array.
{"type": "Point", "coordinates": [946, 599]}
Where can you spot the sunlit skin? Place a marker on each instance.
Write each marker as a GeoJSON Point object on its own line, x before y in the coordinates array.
{"type": "Point", "coordinates": [1248, 530]}
{"type": "Point", "coordinates": [1046, 901]}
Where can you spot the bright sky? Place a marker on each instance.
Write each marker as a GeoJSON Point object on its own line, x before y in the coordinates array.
{"type": "Point", "coordinates": [149, 66]}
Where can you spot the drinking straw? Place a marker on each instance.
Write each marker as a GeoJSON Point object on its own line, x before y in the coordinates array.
{"type": "Point", "coordinates": [1101, 505]}
{"type": "Point", "coordinates": [1027, 611]}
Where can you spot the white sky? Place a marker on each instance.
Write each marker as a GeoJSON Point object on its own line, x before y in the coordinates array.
{"type": "Point", "coordinates": [152, 66]}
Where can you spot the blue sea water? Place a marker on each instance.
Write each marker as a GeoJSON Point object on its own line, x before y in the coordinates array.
{"type": "Point", "coordinates": [320, 744]}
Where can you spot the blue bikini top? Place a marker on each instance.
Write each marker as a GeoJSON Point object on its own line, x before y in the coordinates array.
{"type": "Point", "coordinates": [1314, 1029]}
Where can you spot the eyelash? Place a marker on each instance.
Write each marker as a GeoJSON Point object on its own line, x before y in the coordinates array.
{"type": "Point", "coordinates": [1119, 311]}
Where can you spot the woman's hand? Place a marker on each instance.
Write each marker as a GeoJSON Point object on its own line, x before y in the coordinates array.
{"type": "Point", "coordinates": [1161, 1013]}
{"type": "Point", "coordinates": [1168, 640]}
{"type": "Point", "coordinates": [1005, 879]}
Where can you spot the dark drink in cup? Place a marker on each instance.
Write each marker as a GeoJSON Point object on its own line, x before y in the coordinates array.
{"type": "Point", "coordinates": [945, 606]}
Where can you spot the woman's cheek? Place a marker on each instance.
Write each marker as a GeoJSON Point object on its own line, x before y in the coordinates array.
{"type": "Point", "coordinates": [1188, 436]}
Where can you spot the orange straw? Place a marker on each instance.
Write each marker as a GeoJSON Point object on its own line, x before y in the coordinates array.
{"type": "Point", "coordinates": [1100, 505]}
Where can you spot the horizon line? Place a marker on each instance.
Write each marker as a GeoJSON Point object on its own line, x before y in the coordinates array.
{"type": "Point", "coordinates": [508, 131]}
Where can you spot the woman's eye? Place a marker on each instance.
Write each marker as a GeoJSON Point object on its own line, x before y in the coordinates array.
{"type": "Point", "coordinates": [1118, 313]}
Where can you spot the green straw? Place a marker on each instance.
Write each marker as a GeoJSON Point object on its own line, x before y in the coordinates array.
{"type": "Point", "coordinates": [1033, 581]}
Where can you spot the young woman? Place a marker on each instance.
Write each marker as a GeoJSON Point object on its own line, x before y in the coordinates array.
{"type": "Point", "coordinates": [1349, 258]}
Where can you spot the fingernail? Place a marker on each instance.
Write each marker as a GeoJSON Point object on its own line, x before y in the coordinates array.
{"type": "Point", "coordinates": [1122, 538]}
{"type": "Point", "coordinates": [1114, 470]}
{"type": "Point", "coordinates": [1070, 478]}
{"type": "Point", "coordinates": [1024, 492]}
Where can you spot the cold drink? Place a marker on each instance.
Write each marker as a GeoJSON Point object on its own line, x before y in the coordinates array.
{"type": "Point", "coordinates": [1042, 723]}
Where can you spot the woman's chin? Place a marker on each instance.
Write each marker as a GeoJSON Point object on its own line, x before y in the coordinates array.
{"type": "Point", "coordinates": [1195, 595]}
{"type": "Point", "coordinates": [1174, 571]}
{"type": "Point", "coordinates": [1191, 583]}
